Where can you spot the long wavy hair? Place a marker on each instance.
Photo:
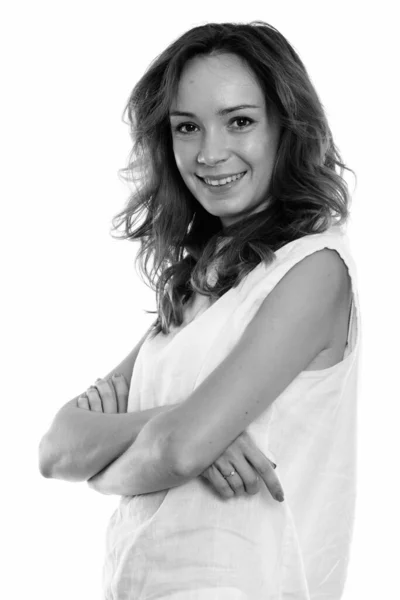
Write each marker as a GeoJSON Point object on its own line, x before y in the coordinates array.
{"type": "Point", "coordinates": [306, 194]}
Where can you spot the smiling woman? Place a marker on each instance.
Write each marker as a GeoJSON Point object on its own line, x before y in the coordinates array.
{"type": "Point", "coordinates": [252, 361]}
{"type": "Point", "coordinates": [238, 159]}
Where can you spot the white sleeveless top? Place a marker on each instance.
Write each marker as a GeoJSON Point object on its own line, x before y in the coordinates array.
{"type": "Point", "coordinates": [188, 543]}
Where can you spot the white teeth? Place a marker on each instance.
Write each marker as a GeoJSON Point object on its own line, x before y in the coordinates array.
{"type": "Point", "coordinates": [218, 182]}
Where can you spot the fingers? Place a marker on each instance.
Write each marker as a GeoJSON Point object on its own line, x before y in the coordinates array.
{"type": "Point", "coordinates": [94, 398]}
{"type": "Point", "coordinates": [267, 473]}
{"type": "Point", "coordinates": [249, 477]}
{"type": "Point", "coordinates": [220, 485]}
{"type": "Point", "coordinates": [235, 482]}
{"type": "Point", "coordinates": [107, 394]}
{"type": "Point", "coordinates": [122, 392]}
{"type": "Point", "coordinates": [245, 480]}
{"type": "Point", "coordinates": [262, 465]}
{"type": "Point", "coordinates": [234, 485]}
{"type": "Point", "coordinates": [83, 402]}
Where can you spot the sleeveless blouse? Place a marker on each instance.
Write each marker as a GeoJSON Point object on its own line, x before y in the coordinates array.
{"type": "Point", "coordinates": [187, 542]}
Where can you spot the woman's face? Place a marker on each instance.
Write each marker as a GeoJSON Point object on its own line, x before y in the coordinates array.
{"type": "Point", "coordinates": [226, 142]}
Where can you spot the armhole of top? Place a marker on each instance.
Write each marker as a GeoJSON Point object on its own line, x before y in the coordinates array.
{"type": "Point", "coordinates": [353, 321]}
{"type": "Point", "coordinates": [353, 330]}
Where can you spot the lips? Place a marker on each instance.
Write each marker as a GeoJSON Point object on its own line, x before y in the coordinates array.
{"type": "Point", "coordinates": [220, 178]}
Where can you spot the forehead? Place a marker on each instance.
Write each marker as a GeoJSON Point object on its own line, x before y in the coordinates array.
{"type": "Point", "coordinates": [217, 80]}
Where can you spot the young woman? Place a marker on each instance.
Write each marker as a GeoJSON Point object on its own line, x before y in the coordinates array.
{"type": "Point", "coordinates": [252, 361]}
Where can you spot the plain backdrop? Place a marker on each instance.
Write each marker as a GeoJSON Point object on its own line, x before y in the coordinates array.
{"type": "Point", "coordinates": [72, 303]}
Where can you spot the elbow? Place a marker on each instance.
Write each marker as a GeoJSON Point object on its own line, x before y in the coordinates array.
{"type": "Point", "coordinates": [180, 461]}
{"type": "Point", "coordinates": [53, 464]}
{"type": "Point", "coordinates": [45, 471]}
{"type": "Point", "coordinates": [46, 459]}
{"type": "Point", "coordinates": [157, 443]}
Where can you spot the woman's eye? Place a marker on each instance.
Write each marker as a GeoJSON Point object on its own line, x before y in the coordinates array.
{"type": "Point", "coordinates": [250, 121]}
{"type": "Point", "coordinates": [179, 129]}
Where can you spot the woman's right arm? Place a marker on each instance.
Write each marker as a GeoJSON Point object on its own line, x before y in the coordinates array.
{"type": "Point", "coordinates": [80, 443]}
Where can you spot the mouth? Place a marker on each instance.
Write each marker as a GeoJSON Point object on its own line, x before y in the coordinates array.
{"type": "Point", "coordinates": [219, 187]}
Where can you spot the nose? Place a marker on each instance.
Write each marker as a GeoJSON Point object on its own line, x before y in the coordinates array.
{"type": "Point", "coordinates": [213, 149]}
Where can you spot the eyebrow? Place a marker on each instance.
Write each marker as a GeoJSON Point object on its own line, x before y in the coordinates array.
{"type": "Point", "coordinates": [221, 112]}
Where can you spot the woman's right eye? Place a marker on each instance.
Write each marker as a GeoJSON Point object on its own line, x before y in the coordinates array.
{"type": "Point", "coordinates": [178, 128]}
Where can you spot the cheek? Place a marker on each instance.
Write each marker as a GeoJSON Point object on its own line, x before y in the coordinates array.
{"type": "Point", "coordinates": [259, 151]}
{"type": "Point", "coordinates": [182, 159]}
{"type": "Point", "coordinates": [178, 157]}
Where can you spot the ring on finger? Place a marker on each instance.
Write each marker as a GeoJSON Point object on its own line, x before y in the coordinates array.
{"type": "Point", "coordinates": [233, 472]}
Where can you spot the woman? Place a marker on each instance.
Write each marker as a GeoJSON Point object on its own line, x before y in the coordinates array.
{"type": "Point", "coordinates": [252, 361]}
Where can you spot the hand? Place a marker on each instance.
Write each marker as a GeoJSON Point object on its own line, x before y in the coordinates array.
{"type": "Point", "coordinates": [248, 461]}
{"type": "Point", "coordinates": [108, 395]}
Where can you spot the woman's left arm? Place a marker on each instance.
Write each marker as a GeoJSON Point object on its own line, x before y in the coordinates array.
{"type": "Point", "coordinates": [293, 325]}
{"type": "Point", "coordinates": [146, 466]}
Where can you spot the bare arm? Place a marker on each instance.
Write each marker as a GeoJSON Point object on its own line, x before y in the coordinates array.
{"type": "Point", "coordinates": [143, 468]}
{"type": "Point", "coordinates": [99, 447]}
{"type": "Point", "coordinates": [148, 466]}
{"type": "Point", "coordinates": [81, 443]}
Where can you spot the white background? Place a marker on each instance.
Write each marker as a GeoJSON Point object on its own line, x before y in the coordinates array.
{"type": "Point", "coordinates": [73, 305]}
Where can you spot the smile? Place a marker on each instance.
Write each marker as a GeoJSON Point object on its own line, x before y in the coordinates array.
{"type": "Point", "coordinates": [220, 184]}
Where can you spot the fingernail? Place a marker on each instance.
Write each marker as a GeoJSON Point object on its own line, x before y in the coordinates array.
{"type": "Point", "coordinates": [279, 496]}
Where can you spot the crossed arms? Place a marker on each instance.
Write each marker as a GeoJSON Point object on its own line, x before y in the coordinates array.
{"type": "Point", "coordinates": [293, 324]}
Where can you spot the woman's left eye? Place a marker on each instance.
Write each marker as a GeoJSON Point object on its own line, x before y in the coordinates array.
{"type": "Point", "coordinates": [243, 119]}
{"type": "Point", "coordinates": [250, 121]}
{"type": "Point", "coordinates": [179, 127]}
